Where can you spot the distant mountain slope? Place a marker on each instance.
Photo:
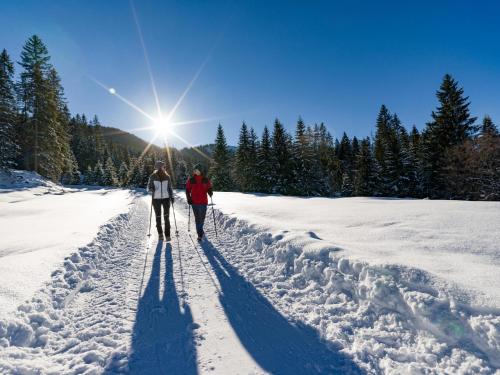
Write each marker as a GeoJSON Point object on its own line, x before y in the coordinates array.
{"type": "Point", "coordinates": [123, 138]}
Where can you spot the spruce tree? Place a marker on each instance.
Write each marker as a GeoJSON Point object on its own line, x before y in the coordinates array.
{"type": "Point", "coordinates": [242, 172]}
{"type": "Point", "coordinates": [109, 177]}
{"type": "Point", "coordinates": [181, 173]}
{"type": "Point", "coordinates": [451, 125]}
{"type": "Point", "coordinates": [488, 127]}
{"type": "Point", "coordinates": [347, 185]}
{"type": "Point", "coordinates": [71, 175]}
{"type": "Point", "coordinates": [282, 176]}
{"type": "Point", "coordinates": [265, 164]}
{"type": "Point", "coordinates": [123, 174]}
{"type": "Point", "coordinates": [253, 146]}
{"type": "Point", "coordinates": [136, 172]}
{"type": "Point", "coordinates": [345, 157]}
{"type": "Point", "coordinates": [44, 144]}
{"type": "Point", "coordinates": [88, 176]}
{"type": "Point", "coordinates": [9, 148]}
{"type": "Point", "coordinates": [64, 157]}
{"type": "Point", "coordinates": [305, 178]}
{"type": "Point", "coordinates": [344, 152]}
{"type": "Point", "coordinates": [325, 158]}
{"type": "Point", "coordinates": [384, 142]}
{"type": "Point", "coordinates": [99, 173]}
{"type": "Point", "coordinates": [365, 179]}
{"type": "Point", "coordinates": [220, 171]}
{"type": "Point", "coordinates": [392, 175]}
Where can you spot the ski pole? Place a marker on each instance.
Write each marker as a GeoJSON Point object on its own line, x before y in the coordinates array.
{"type": "Point", "coordinates": [175, 221]}
{"type": "Point", "coordinates": [150, 215]}
{"type": "Point", "coordinates": [189, 217]}
{"type": "Point", "coordinates": [213, 214]}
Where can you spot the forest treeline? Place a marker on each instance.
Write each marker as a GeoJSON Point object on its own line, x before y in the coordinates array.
{"type": "Point", "coordinates": [455, 156]}
{"type": "Point", "coordinates": [38, 133]}
{"type": "Point", "coordinates": [452, 158]}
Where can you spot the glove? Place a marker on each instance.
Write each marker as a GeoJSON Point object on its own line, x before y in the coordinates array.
{"type": "Point", "coordinates": [210, 192]}
{"type": "Point", "coordinates": [172, 200]}
{"type": "Point", "coordinates": [190, 201]}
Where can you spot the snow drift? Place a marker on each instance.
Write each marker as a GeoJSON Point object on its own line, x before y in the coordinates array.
{"type": "Point", "coordinates": [40, 337]}
{"type": "Point", "coordinates": [390, 318]}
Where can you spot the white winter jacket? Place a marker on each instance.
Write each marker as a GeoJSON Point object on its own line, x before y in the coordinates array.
{"type": "Point", "coordinates": [160, 189]}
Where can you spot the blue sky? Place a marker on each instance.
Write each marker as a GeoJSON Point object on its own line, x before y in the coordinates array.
{"type": "Point", "coordinates": [330, 61]}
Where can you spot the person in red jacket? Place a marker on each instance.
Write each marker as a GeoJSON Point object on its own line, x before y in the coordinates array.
{"type": "Point", "coordinates": [197, 188]}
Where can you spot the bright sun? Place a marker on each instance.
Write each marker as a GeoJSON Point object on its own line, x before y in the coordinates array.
{"type": "Point", "coordinates": [162, 125]}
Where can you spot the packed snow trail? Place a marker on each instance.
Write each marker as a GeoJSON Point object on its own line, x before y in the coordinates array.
{"type": "Point", "coordinates": [128, 304]}
{"type": "Point", "coordinates": [204, 317]}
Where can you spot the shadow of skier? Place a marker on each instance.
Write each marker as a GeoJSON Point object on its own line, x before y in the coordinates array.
{"type": "Point", "coordinates": [277, 345]}
{"type": "Point", "coordinates": [162, 339]}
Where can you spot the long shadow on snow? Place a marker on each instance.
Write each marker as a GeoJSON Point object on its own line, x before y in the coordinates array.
{"type": "Point", "coordinates": [276, 344]}
{"type": "Point", "coordinates": [162, 339]}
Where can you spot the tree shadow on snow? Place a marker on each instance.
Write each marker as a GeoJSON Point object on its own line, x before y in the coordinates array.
{"type": "Point", "coordinates": [162, 338]}
{"type": "Point", "coordinates": [277, 345]}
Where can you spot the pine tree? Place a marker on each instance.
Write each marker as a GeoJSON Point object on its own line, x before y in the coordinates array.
{"type": "Point", "coordinates": [123, 174]}
{"type": "Point", "coordinates": [242, 160]}
{"type": "Point", "coordinates": [282, 160]}
{"type": "Point", "coordinates": [325, 158]}
{"type": "Point", "coordinates": [99, 173]}
{"type": "Point", "coordinates": [365, 179]}
{"type": "Point", "coordinates": [9, 148]}
{"type": "Point", "coordinates": [393, 158]}
{"type": "Point", "coordinates": [109, 177]}
{"type": "Point", "coordinates": [488, 127]}
{"type": "Point", "coordinates": [88, 176]}
{"type": "Point", "coordinates": [451, 125]}
{"type": "Point", "coordinates": [44, 144]}
{"type": "Point", "coordinates": [347, 186]}
{"type": "Point", "coordinates": [305, 174]}
{"type": "Point", "coordinates": [64, 157]}
{"type": "Point", "coordinates": [344, 152]}
{"type": "Point", "coordinates": [182, 174]}
{"type": "Point", "coordinates": [136, 172]}
{"type": "Point", "coordinates": [220, 171]}
{"type": "Point", "coordinates": [71, 175]}
{"type": "Point", "coordinates": [382, 133]}
{"type": "Point", "coordinates": [385, 152]}
{"type": "Point", "coordinates": [253, 146]}
{"type": "Point", "coordinates": [264, 164]}
{"type": "Point", "coordinates": [354, 151]}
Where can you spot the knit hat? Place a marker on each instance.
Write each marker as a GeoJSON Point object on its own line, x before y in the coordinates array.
{"type": "Point", "coordinates": [159, 164]}
{"type": "Point", "coordinates": [199, 167]}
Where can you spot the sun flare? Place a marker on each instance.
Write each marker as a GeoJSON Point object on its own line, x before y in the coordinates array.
{"type": "Point", "coordinates": [162, 125]}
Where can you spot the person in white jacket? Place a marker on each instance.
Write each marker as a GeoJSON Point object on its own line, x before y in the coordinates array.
{"type": "Point", "coordinates": [160, 185]}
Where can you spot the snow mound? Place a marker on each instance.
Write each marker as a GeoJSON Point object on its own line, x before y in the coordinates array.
{"type": "Point", "coordinates": [37, 339]}
{"type": "Point", "coordinates": [20, 179]}
{"type": "Point", "coordinates": [390, 318]}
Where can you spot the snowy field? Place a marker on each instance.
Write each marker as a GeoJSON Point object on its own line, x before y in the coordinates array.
{"type": "Point", "coordinates": [289, 286]}
{"type": "Point", "coordinates": [455, 240]}
{"type": "Point", "coordinates": [42, 223]}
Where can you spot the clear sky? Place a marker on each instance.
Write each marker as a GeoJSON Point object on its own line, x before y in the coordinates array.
{"type": "Point", "coordinates": [330, 61]}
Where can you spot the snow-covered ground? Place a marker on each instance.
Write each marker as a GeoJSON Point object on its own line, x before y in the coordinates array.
{"type": "Point", "coordinates": [40, 224]}
{"type": "Point", "coordinates": [457, 241]}
{"type": "Point", "coordinates": [289, 286]}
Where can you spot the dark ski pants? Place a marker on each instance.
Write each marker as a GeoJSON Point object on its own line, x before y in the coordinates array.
{"type": "Point", "coordinates": [200, 211]}
{"type": "Point", "coordinates": [157, 205]}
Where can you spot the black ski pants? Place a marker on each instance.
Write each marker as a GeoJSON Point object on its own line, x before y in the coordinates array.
{"type": "Point", "coordinates": [157, 205]}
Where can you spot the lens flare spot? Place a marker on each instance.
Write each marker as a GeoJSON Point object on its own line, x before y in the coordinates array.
{"type": "Point", "coordinates": [112, 91]}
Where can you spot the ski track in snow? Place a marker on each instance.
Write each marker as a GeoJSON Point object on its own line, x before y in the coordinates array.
{"type": "Point", "coordinates": [245, 303]}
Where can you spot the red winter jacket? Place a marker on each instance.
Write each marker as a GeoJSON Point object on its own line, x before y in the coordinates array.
{"type": "Point", "coordinates": [197, 188]}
